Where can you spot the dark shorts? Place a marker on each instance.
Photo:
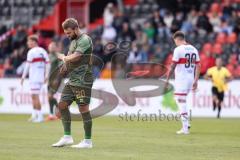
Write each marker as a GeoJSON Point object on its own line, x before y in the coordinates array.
{"type": "Point", "coordinates": [219, 95]}
{"type": "Point", "coordinates": [80, 94]}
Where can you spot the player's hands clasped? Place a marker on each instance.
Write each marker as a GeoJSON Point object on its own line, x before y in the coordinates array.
{"type": "Point", "coordinates": [61, 56]}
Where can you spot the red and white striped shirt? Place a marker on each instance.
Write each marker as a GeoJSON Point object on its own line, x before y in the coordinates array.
{"type": "Point", "coordinates": [37, 58]}
{"type": "Point", "coordinates": [186, 57]}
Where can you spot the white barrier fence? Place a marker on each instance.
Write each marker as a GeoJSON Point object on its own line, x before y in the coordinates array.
{"type": "Point", "coordinates": [17, 99]}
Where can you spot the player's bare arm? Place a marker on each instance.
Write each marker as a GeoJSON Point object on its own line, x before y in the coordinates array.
{"type": "Point", "coordinates": [70, 57]}
{"type": "Point", "coordinates": [25, 72]}
{"type": "Point", "coordinates": [197, 73]}
{"type": "Point", "coordinates": [228, 79]}
{"type": "Point", "coordinates": [47, 70]}
{"type": "Point", "coordinates": [172, 68]}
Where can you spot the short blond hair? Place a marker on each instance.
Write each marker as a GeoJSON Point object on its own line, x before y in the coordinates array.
{"type": "Point", "coordinates": [70, 23]}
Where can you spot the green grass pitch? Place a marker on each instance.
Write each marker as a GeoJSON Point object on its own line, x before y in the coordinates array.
{"type": "Point", "coordinates": [114, 139]}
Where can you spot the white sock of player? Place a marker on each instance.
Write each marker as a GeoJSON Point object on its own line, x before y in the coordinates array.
{"type": "Point", "coordinates": [185, 124]}
{"type": "Point", "coordinates": [39, 114]}
{"type": "Point", "coordinates": [34, 113]}
{"type": "Point", "coordinates": [181, 102]}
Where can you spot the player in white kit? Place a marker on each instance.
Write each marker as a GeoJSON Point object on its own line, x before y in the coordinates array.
{"type": "Point", "coordinates": [185, 63]}
{"type": "Point", "coordinates": [37, 66]}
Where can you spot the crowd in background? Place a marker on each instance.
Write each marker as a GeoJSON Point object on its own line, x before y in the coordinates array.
{"type": "Point", "coordinates": [214, 28]}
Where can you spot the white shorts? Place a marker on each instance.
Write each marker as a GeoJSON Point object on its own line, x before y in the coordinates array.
{"type": "Point", "coordinates": [183, 87]}
{"type": "Point", "coordinates": [35, 87]}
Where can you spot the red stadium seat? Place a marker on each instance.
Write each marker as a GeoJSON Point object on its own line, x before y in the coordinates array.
{"type": "Point", "coordinates": [233, 59]}
{"type": "Point", "coordinates": [217, 48]}
{"type": "Point", "coordinates": [207, 47]}
{"type": "Point", "coordinates": [221, 38]}
{"type": "Point", "coordinates": [148, 68]}
{"type": "Point", "coordinates": [169, 59]}
{"type": "Point", "coordinates": [230, 67]}
{"type": "Point", "coordinates": [203, 58]}
{"type": "Point", "coordinates": [215, 8]}
{"type": "Point", "coordinates": [159, 70]}
{"type": "Point", "coordinates": [237, 72]}
{"type": "Point", "coordinates": [232, 38]}
{"type": "Point", "coordinates": [1, 70]}
{"type": "Point", "coordinates": [136, 67]}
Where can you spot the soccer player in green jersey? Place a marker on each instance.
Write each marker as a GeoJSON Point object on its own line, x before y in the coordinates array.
{"type": "Point", "coordinates": [53, 84]}
{"type": "Point", "coordinates": [78, 67]}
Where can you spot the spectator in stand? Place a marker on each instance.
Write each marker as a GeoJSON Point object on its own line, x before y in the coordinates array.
{"type": "Point", "coordinates": [8, 67]}
{"type": "Point", "coordinates": [164, 33]}
{"type": "Point", "coordinates": [2, 55]}
{"type": "Point", "coordinates": [177, 22]}
{"type": "Point", "coordinates": [3, 29]}
{"type": "Point", "coordinates": [168, 18]}
{"type": "Point", "coordinates": [20, 37]}
{"type": "Point", "coordinates": [15, 59]}
{"type": "Point", "coordinates": [133, 56]}
{"type": "Point", "coordinates": [126, 33]}
{"type": "Point", "coordinates": [150, 32]}
{"type": "Point", "coordinates": [236, 28]}
{"type": "Point", "coordinates": [203, 22]}
{"type": "Point", "coordinates": [119, 19]}
{"type": "Point", "coordinates": [155, 20]}
{"type": "Point", "coordinates": [227, 9]}
{"type": "Point", "coordinates": [225, 27]}
{"type": "Point", "coordinates": [141, 38]}
{"type": "Point", "coordinates": [82, 27]}
{"type": "Point", "coordinates": [193, 17]}
{"type": "Point", "coordinates": [159, 55]}
{"type": "Point", "coordinates": [108, 14]}
{"type": "Point", "coordinates": [144, 53]}
{"type": "Point", "coordinates": [191, 21]}
{"type": "Point", "coordinates": [109, 34]}
{"type": "Point", "coordinates": [137, 55]}
{"type": "Point", "coordinates": [214, 17]}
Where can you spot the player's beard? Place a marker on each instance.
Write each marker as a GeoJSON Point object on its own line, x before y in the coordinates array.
{"type": "Point", "coordinates": [74, 36]}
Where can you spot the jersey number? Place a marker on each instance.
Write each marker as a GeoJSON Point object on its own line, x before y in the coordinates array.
{"type": "Point", "coordinates": [191, 59]}
{"type": "Point", "coordinates": [41, 54]}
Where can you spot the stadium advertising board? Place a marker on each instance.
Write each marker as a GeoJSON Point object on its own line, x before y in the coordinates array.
{"type": "Point", "coordinates": [17, 99]}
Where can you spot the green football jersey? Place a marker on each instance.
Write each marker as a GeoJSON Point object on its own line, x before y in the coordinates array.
{"type": "Point", "coordinates": [80, 73]}
{"type": "Point", "coordinates": [54, 62]}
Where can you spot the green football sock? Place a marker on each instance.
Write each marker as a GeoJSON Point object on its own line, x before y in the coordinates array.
{"type": "Point", "coordinates": [87, 124]}
{"type": "Point", "coordinates": [55, 103]}
{"type": "Point", "coordinates": [66, 121]}
{"type": "Point", "coordinates": [52, 102]}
